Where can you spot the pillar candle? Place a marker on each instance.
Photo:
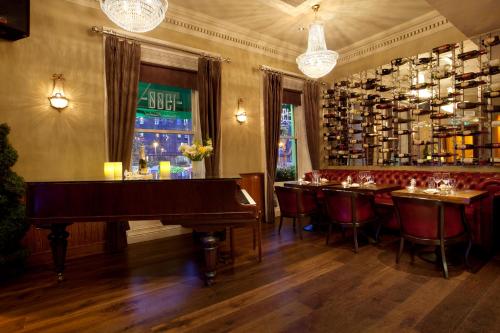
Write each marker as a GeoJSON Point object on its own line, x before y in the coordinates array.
{"type": "Point", "coordinates": [164, 169]}
{"type": "Point", "coordinates": [109, 170]}
{"type": "Point", "coordinates": [118, 171]}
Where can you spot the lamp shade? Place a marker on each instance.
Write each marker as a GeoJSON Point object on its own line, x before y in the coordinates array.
{"type": "Point", "coordinates": [135, 15]}
{"type": "Point", "coordinates": [317, 61]}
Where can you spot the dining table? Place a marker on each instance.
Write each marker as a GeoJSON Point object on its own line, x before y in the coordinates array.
{"type": "Point", "coordinates": [457, 197]}
{"type": "Point", "coordinates": [317, 187]}
{"type": "Point", "coordinates": [370, 189]}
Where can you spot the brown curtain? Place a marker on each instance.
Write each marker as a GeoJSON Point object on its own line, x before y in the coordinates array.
{"type": "Point", "coordinates": [311, 109]}
{"type": "Point", "coordinates": [209, 87]}
{"type": "Point", "coordinates": [122, 62]}
{"type": "Point", "coordinates": [273, 98]}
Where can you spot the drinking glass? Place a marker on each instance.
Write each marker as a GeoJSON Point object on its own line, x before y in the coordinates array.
{"type": "Point", "coordinates": [431, 183]}
{"type": "Point", "coordinates": [452, 183]}
{"type": "Point", "coordinates": [361, 177]}
{"type": "Point", "coordinates": [315, 176]}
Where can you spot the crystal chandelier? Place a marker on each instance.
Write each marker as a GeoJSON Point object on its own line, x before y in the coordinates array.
{"type": "Point", "coordinates": [317, 61]}
{"type": "Point", "coordinates": [135, 15]}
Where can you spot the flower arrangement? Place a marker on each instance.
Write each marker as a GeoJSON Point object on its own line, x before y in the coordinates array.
{"type": "Point", "coordinates": [197, 151]}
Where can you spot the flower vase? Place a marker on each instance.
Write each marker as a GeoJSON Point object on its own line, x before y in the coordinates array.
{"type": "Point", "coordinates": [197, 169]}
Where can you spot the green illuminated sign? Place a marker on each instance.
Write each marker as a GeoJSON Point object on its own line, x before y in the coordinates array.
{"type": "Point", "coordinates": [156, 100]}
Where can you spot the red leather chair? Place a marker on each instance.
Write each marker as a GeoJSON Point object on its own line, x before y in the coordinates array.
{"type": "Point", "coordinates": [349, 210]}
{"type": "Point", "coordinates": [431, 222]}
{"type": "Point", "coordinates": [296, 203]}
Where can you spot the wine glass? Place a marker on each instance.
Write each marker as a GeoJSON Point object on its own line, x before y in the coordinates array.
{"type": "Point", "coordinates": [452, 183]}
{"type": "Point", "coordinates": [446, 180]}
{"type": "Point", "coordinates": [438, 177]}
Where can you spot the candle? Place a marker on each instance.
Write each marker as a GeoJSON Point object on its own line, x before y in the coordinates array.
{"type": "Point", "coordinates": [118, 171]}
{"type": "Point", "coordinates": [109, 170]}
{"type": "Point", "coordinates": [164, 169]}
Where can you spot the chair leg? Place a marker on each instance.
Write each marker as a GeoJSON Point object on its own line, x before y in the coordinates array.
{"type": "Point", "coordinates": [254, 238]}
{"type": "Point", "coordinates": [412, 252]}
{"type": "Point", "coordinates": [443, 260]}
{"type": "Point", "coordinates": [231, 243]}
{"type": "Point", "coordinates": [281, 223]}
{"type": "Point", "coordinates": [259, 240]}
{"type": "Point", "coordinates": [467, 263]}
{"type": "Point", "coordinates": [401, 248]}
{"type": "Point", "coordinates": [377, 232]}
{"type": "Point", "coordinates": [328, 233]}
{"type": "Point", "coordinates": [294, 230]}
{"type": "Point", "coordinates": [343, 232]}
{"type": "Point", "coordinates": [355, 236]}
{"type": "Point", "coordinates": [299, 222]}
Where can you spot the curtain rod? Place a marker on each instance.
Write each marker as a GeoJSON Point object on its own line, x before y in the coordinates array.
{"type": "Point", "coordinates": [105, 31]}
{"type": "Point", "coordinates": [265, 68]}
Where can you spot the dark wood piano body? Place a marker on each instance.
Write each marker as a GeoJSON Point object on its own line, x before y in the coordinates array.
{"type": "Point", "coordinates": [206, 205]}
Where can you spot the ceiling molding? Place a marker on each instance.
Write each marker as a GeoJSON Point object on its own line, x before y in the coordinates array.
{"type": "Point", "coordinates": [203, 26]}
{"type": "Point", "coordinates": [288, 9]}
{"type": "Point", "coordinates": [419, 27]}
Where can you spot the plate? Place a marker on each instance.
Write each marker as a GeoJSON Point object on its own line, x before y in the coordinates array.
{"type": "Point", "coordinates": [431, 191]}
{"type": "Point", "coordinates": [354, 185]}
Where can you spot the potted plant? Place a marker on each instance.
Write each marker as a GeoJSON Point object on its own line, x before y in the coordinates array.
{"type": "Point", "coordinates": [12, 223]}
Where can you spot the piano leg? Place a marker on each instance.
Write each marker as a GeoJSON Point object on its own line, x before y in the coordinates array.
{"type": "Point", "coordinates": [59, 242]}
{"type": "Point", "coordinates": [210, 244]}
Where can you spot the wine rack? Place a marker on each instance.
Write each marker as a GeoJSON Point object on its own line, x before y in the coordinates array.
{"type": "Point", "coordinates": [441, 107]}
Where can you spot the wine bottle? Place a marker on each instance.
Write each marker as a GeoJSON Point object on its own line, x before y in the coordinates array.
{"type": "Point", "coordinates": [367, 114]}
{"type": "Point", "coordinates": [403, 132]}
{"type": "Point", "coordinates": [444, 48]}
{"type": "Point", "coordinates": [385, 129]}
{"type": "Point", "coordinates": [468, 105]}
{"type": "Point", "coordinates": [421, 112]}
{"type": "Point", "coordinates": [355, 85]}
{"type": "Point", "coordinates": [354, 141]}
{"type": "Point", "coordinates": [330, 91]}
{"type": "Point", "coordinates": [440, 102]}
{"type": "Point", "coordinates": [384, 71]}
{"type": "Point", "coordinates": [355, 121]}
{"type": "Point", "coordinates": [383, 88]}
{"type": "Point", "coordinates": [467, 76]}
{"type": "Point", "coordinates": [143, 164]}
{"type": "Point", "coordinates": [469, 84]}
{"type": "Point", "coordinates": [388, 139]}
{"type": "Point", "coordinates": [354, 95]}
{"type": "Point", "coordinates": [356, 156]}
{"type": "Point", "coordinates": [402, 120]}
{"type": "Point", "coordinates": [491, 70]}
{"type": "Point", "coordinates": [367, 103]}
{"type": "Point", "coordinates": [470, 133]}
{"type": "Point", "coordinates": [404, 155]}
{"type": "Point", "coordinates": [492, 108]}
{"type": "Point", "coordinates": [384, 106]}
{"type": "Point", "coordinates": [368, 86]}
{"type": "Point", "coordinates": [471, 54]}
{"type": "Point", "coordinates": [328, 125]}
{"type": "Point", "coordinates": [354, 131]}
{"type": "Point", "coordinates": [491, 41]}
{"type": "Point", "coordinates": [386, 150]}
{"type": "Point", "coordinates": [442, 135]}
{"type": "Point", "coordinates": [383, 117]}
{"type": "Point", "coordinates": [464, 147]}
{"type": "Point", "coordinates": [383, 100]}
{"type": "Point", "coordinates": [491, 94]}
{"type": "Point", "coordinates": [371, 145]}
{"type": "Point", "coordinates": [399, 61]}
{"type": "Point", "coordinates": [422, 85]}
{"type": "Point", "coordinates": [441, 115]}
{"type": "Point", "coordinates": [365, 124]}
{"type": "Point", "coordinates": [369, 81]}
{"type": "Point", "coordinates": [423, 60]}
{"type": "Point", "coordinates": [493, 145]}
{"type": "Point", "coordinates": [400, 97]}
{"type": "Point", "coordinates": [401, 109]}
{"type": "Point", "coordinates": [370, 135]}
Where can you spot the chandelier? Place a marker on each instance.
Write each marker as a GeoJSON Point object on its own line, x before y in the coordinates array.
{"type": "Point", "coordinates": [317, 61]}
{"type": "Point", "coordinates": [135, 15]}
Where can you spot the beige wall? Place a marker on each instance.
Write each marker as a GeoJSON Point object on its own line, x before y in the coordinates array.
{"type": "Point", "coordinates": [71, 144]}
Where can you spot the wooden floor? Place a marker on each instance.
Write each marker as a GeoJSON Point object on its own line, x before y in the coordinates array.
{"type": "Point", "coordinates": [301, 286]}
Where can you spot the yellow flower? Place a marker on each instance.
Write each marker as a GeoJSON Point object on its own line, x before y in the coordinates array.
{"type": "Point", "coordinates": [202, 149]}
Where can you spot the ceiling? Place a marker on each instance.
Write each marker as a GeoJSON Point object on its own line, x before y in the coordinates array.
{"type": "Point", "coordinates": [346, 21]}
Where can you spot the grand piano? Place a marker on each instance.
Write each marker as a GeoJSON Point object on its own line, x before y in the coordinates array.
{"type": "Point", "coordinates": [206, 205]}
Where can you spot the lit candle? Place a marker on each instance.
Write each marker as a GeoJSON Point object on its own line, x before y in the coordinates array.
{"type": "Point", "coordinates": [109, 170]}
{"type": "Point", "coordinates": [118, 171]}
{"type": "Point", "coordinates": [164, 169]}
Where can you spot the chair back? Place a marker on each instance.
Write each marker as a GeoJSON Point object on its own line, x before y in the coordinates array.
{"type": "Point", "coordinates": [296, 201]}
{"type": "Point", "coordinates": [348, 207]}
{"type": "Point", "coordinates": [421, 218]}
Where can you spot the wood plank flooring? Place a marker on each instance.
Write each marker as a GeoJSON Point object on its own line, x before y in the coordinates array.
{"type": "Point", "coordinates": [301, 286]}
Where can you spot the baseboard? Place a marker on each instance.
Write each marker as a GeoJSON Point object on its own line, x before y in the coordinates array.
{"type": "Point", "coordinates": [147, 233]}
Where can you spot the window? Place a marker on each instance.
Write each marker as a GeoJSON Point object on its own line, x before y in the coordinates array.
{"type": "Point", "coordinates": [163, 121]}
{"type": "Point", "coordinates": [287, 149]}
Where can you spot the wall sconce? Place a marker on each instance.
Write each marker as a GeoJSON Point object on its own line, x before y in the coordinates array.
{"type": "Point", "coordinates": [57, 99]}
{"type": "Point", "coordinates": [241, 114]}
